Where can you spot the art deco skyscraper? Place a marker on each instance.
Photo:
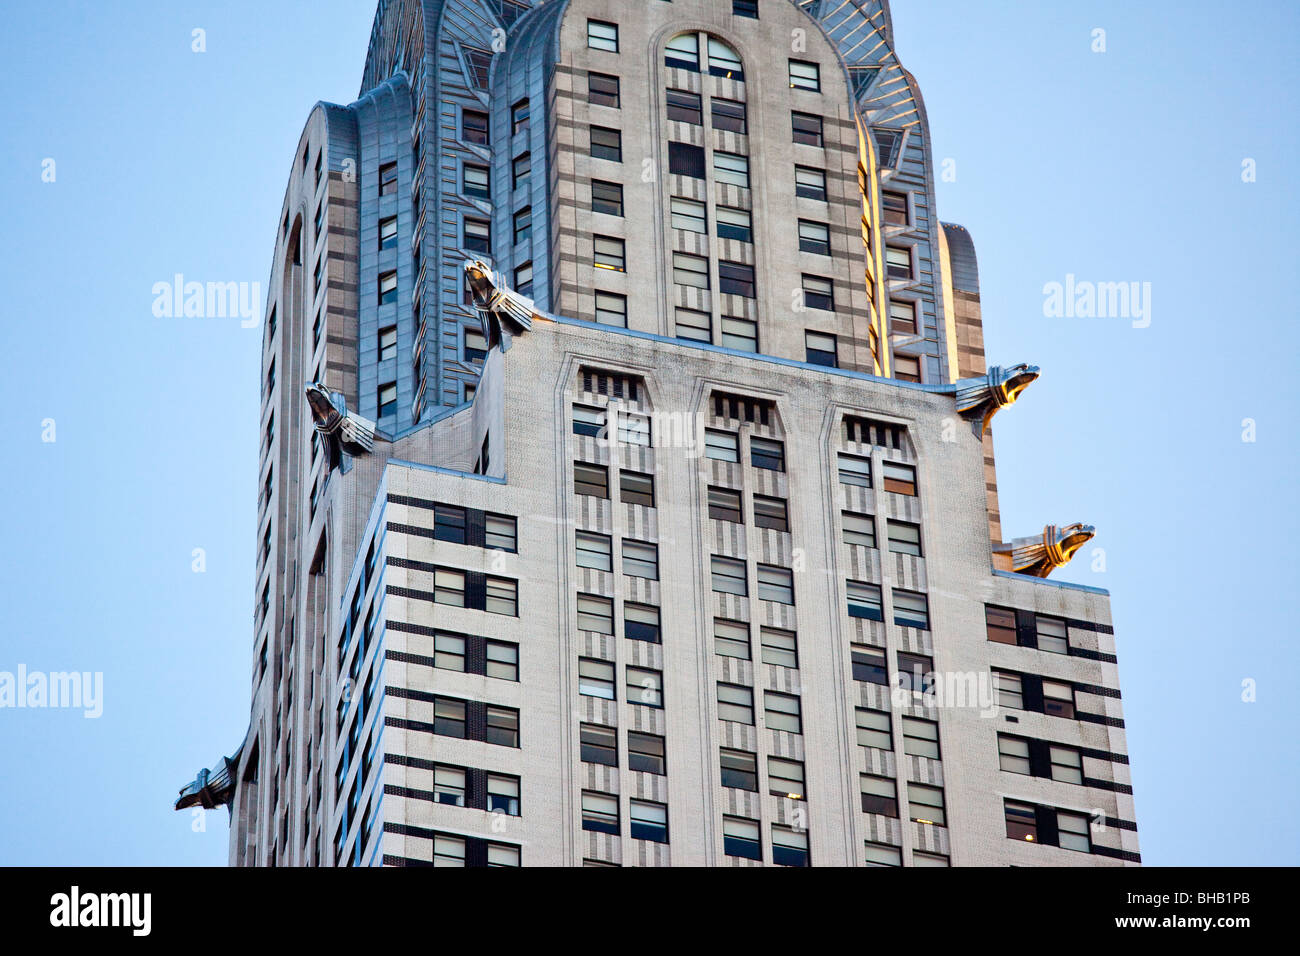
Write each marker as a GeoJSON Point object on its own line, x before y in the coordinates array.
{"type": "Point", "coordinates": [627, 493]}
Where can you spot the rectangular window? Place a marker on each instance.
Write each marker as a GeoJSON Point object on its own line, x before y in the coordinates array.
{"type": "Point", "coordinates": [869, 665]}
{"type": "Point", "coordinates": [779, 647]}
{"type": "Point", "coordinates": [723, 61]}
{"type": "Point", "coordinates": [595, 614]}
{"type": "Point", "coordinates": [602, 90]}
{"type": "Point", "coordinates": [874, 729]}
{"type": "Point", "coordinates": [745, 8]}
{"type": "Point", "coordinates": [1072, 832]}
{"type": "Point", "coordinates": [1013, 754]}
{"type": "Point", "coordinates": [388, 343]}
{"type": "Point", "coordinates": [723, 446]}
{"type": "Point", "coordinates": [523, 225]}
{"type": "Point", "coordinates": [814, 237]}
{"type": "Point", "coordinates": [524, 279]}
{"type": "Point", "coordinates": [736, 703]}
{"type": "Point", "coordinates": [388, 232]}
{"type": "Point", "coordinates": [879, 795]}
{"type": "Point", "coordinates": [688, 214]}
{"type": "Point", "coordinates": [864, 600]}
{"type": "Point", "coordinates": [887, 142]}
{"type": "Point", "coordinates": [474, 127]}
{"type": "Point", "coordinates": [595, 678]}
{"type": "Point", "coordinates": [449, 587]}
{"type": "Point", "coordinates": [611, 309]}
{"type": "Point", "coordinates": [591, 480]}
{"type": "Point", "coordinates": [598, 744]}
{"type": "Point", "coordinates": [805, 76]}
{"type": "Point", "coordinates": [1000, 625]}
{"type": "Point", "coordinates": [915, 673]}
{"type": "Point", "coordinates": [821, 349]}
{"type": "Point", "coordinates": [691, 271]}
{"type": "Point", "coordinates": [859, 529]}
{"type": "Point", "coordinates": [502, 660]}
{"type": "Point", "coordinates": [907, 368]}
{"type": "Point", "coordinates": [1010, 690]}
{"type": "Point", "coordinates": [449, 786]}
{"type": "Point", "coordinates": [648, 821]}
{"type": "Point", "coordinates": [904, 537]}
{"type": "Point", "coordinates": [729, 576]}
{"type": "Point", "coordinates": [771, 513]}
{"type": "Point", "coordinates": [789, 846]}
{"type": "Point", "coordinates": [475, 349]}
{"type": "Point", "coordinates": [898, 262]}
{"type": "Point", "coordinates": [449, 717]}
{"type": "Point", "coordinates": [641, 622]}
{"type": "Point", "coordinates": [736, 278]}
{"type": "Point", "coordinates": [478, 236]}
{"type": "Point", "coordinates": [645, 686]}
{"type": "Point", "coordinates": [600, 812]}
{"type": "Point", "coordinates": [1067, 764]}
{"type": "Point", "coordinates": [606, 197]}
{"type": "Point", "coordinates": [1052, 635]}
{"type": "Point", "coordinates": [387, 288]}
{"type": "Point", "coordinates": [894, 208]}
{"type": "Point", "coordinates": [731, 639]}
{"type": "Point", "coordinates": [725, 505]}
{"type": "Point", "coordinates": [606, 144]}
{"type": "Point", "coordinates": [810, 183]}
{"type": "Point", "coordinates": [502, 597]}
{"type": "Point", "coordinates": [807, 129]}
{"type": "Point", "coordinates": [685, 107]}
{"type": "Point", "coordinates": [785, 778]}
{"type": "Point", "coordinates": [855, 470]}
{"type": "Point", "coordinates": [920, 737]}
{"type": "Point", "coordinates": [602, 36]}
{"type": "Point", "coordinates": [734, 224]}
{"type": "Point", "coordinates": [818, 293]}
{"type": "Point", "coordinates": [767, 453]}
{"type": "Point", "coordinates": [476, 183]}
{"type": "Point", "coordinates": [694, 325]}
{"type": "Point", "coordinates": [1058, 699]}
{"type": "Point", "coordinates": [519, 117]}
{"type": "Point", "coordinates": [683, 52]}
{"type": "Point", "coordinates": [448, 851]}
{"type": "Point", "coordinates": [609, 253]}
{"type": "Point", "coordinates": [503, 795]}
{"type": "Point", "coordinates": [899, 479]}
{"type": "Point", "coordinates": [728, 115]}
{"type": "Point", "coordinates": [925, 804]}
{"type": "Point", "coordinates": [636, 489]}
{"type": "Point", "coordinates": [645, 753]}
{"type": "Point", "coordinates": [902, 317]}
{"type": "Point", "coordinates": [686, 160]}
{"type": "Point", "coordinates": [731, 169]}
{"type": "Point", "coordinates": [387, 179]}
{"type": "Point", "coordinates": [593, 552]}
{"type": "Point", "coordinates": [449, 524]}
{"type": "Point", "coordinates": [882, 854]}
{"type": "Point", "coordinates": [739, 769]}
{"type": "Point", "coordinates": [387, 399]}
{"type": "Point", "coordinates": [782, 712]}
{"type": "Point", "coordinates": [449, 652]}
{"type": "Point", "coordinates": [740, 836]}
{"type": "Point", "coordinates": [641, 559]}
{"type": "Point", "coordinates": [739, 334]}
{"type": "Point", "coordinates": [1021, 820]}
{"type": "Point", "coordinates": [521, 170]}
{"type": "Point", "coordinates": [775, 584]}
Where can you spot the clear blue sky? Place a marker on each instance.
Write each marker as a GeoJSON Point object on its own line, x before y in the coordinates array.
{"type": "Point", "coordinates": [1115, 166]}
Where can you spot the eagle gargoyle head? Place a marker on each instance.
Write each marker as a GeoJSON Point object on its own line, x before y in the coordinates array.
{"type": "Point", "coordinates": [1071, 538]}
{"type": "Point", "coordinates": [325, 412]}
{"type": "Point", "coordinates": [1018, 378]}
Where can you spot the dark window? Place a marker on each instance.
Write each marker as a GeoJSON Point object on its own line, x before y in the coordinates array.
{"type": "Point", "coordinates": [821, 349]}
{"type": "Point", "coordinates": [767, 453]}
{"type": "Point", "coordinates": [740, 836]}
{"type": "Point", "coordinates": [771, 513]}
{"type": "Point", "coordinates": [735, 278]}
{"type": "Point", "coordinates": [641, 622]}
{"type": "Point", "coordinates": [887, 143]}
{"type": "Point", "coordinates": [1001, 625]}
{"type": "Point", "coordinates": [387, 179]}
{"type": "Point", "coordinates": [739, 769]}
{"type": "Point", "coordinates": [602, 90]}
{"type": "Point", "coordinates": [636, 488]}
{"type": "Point", "coordinates": [599, 744]}
{"type": "Point", "coordinates": [523, 225]}
{"type": "Point", "coordinates": [449, 524]}
{"type": "Point", "coordinates": [869, 665]}
{"type": "Point", "coordinates": [645, 753]}
{"type": "Point", "coordinates": [519, 117]}
{"type": "Point", "coordinates": [915, 672]}
{"type": "Point", "coordinates": [686, 160]}
{"type": "Point", "coordinates": [606, 143]}
{"type": "Point", "coordinates": [648, 821]}
{"type": "Point", "coordinates": [745, 8]}
{"type": "Point", "coordinates": [810, 183]}
{"type": "Point", "coordinates": [684, 107]}
{"type": "Point", "coordinates": [807, 128]}
{"type": "Point", "coordinates": [879, 795]}
{"type": "Point", "coordinates": [728, 115]}
{"type": "Point", "coordinates": [734, 224]}
{"type": "Point", "coordinates": [606, 197]}
{"type": "Point", "coordinates": [724, 505]}
{"type": "Point", "coordinates": [478, 236]}
{"type": "Point", "coordinates": [818, 293]}
{"type": "Point", "coordinates": [474, 127]}
{"type": "Point", "coordinates": [894, 206]}
{"type": "Point", "coordinates": [521, 170]}
{"type": "Point", "coordinates": [814, 237]}
{"type": "Point", "coordinates": [502, 726]}
{"type": "Point", "coordinates": [590, 480]}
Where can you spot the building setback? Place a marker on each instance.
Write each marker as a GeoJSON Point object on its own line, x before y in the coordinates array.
{"type": "Point", "coordinates": [627, 490]}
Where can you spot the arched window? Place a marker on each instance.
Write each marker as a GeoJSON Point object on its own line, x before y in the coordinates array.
{"type": "Point", "coordinates": [723, 61]}
{"type": "Point", "coordinates": [684, 52]}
